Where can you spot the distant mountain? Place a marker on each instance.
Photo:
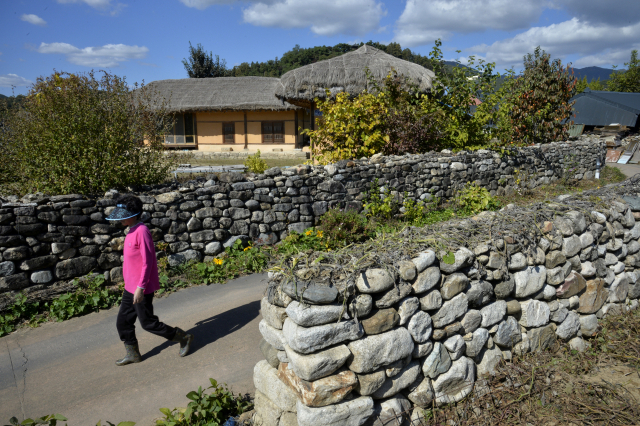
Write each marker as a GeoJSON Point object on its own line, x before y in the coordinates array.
{"type": "Point", "coordinates": [593, 73]}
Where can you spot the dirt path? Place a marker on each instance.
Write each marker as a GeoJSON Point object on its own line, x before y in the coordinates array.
{"type": "Point", "coordinates": [68, 367]}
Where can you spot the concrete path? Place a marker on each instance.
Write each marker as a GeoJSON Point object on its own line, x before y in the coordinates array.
{"type": "Point", "coordinates": [627, 169]}
{"type": "Point", "coordinates": [68, 367]}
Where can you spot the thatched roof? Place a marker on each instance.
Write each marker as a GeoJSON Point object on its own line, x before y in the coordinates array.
{"type": "Point", "coordinates": [346, 73]}
{"type": "Point", "coordinates": [221, 94]}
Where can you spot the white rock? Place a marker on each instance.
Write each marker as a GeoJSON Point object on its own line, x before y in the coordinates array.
{"type": "Point", "coordinates": [517, 262]}
{"type": "Point", "coordinates": [571, 246]}
{"type": "Point", "coordinates": [267, 413]}
{"type": "Point", "coordinates": [524, 346]}
{"type": "Point", "coordinates": [530, 280]}
{"type": "Point", "coordinates": [307, 340]}
{"type": "Point", "coordinates": [407, 307]}
{"type": "Point", "coordinates": [588, 325]}
{"type": "Point", "coordinates": [373, 352]}
{"type": "Point", "coordinates": [427, 279]}
{"type": "Point", "coordinates": [391, 411]}
{"type": "Point", "coordinates": [534, 313]}
{"type": "Point", "coordinates": [618, 268]}
{"type": "Point", "coordinates": [272, 314]}
{"type": "Point", "coordinates": [489, 360]}
{"type": "Point", "coordinates": [312, 315]}
{"type": "Point", "coordinates": [456, 383]}
{"type": "Point", "coordinates": [555, 276]}
{"type": "Point", "coordinates": [423, 394]}
{"type": "Point", "coordinates": [471, 321]}
{"type": "Point", "coordinates": [578, 344]}
{"type": "Point", "coordinates": [508, 333]}
{"type": "Point", "coordinates": [431, 301]}
{"type": "Point", "coordinates": [588, 270]}
{"type": "Point", "coordinates": [265, 379]}
{"type": "Point", "coordinates": [619, 289]}
{"type": "Point", "coordinates": [424, 260]}
{"type": "Point", "coordinates": [574, 301]}
{"type": "Point", "coordinates": [598, 217]}
{"type": "Point", "coordinates": [569, 327]}
{"type": "Point", "coordinates": [493, 313]}
{"type": "Point", "coordinates": [319, 364]}
{"type": "Point", "coordinates": [354, 412]}
{"type": "Point", "coordinates": [420, 327]}
{"type": "Point", "coordinates": [374, 281]}
{"type": "Point", "coordinates": [456, 346]}
{"type": "Point", "coordinates": [273, 336]}
{"type": "Point", "coordinates": [548, 292]}
{"type": "Point", "coordinates": [400, 381]}
{"type": "Point", "coordinates": [437, 362]}
{"type": "Point", "coordinates": [450, 311]}
{"type": "Point", "coordinates": [476, 342]}
{"type": "Point", "coordinates": [586, 239]}
{"type": "Point", "coordinates": [422, 350]}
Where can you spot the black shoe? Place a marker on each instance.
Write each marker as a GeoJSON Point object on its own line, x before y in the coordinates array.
{"type": "Point", "coordinates": [133, 355]}
{"type": "Point", "coordinates": [184, 339]}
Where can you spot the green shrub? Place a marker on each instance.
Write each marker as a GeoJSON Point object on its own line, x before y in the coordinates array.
{"type": "Point", "coordinates": [310, 239]}
{"type": "Point", "coordinates": [79, 133]}
{"type": "Point", "coordinates": [211, 409]}
{"type": "Point", "coordinates": [380, 206]}
{"type": "Point", "coordinates": [255, 164]}
{"type": "Point", "coordinates": [473, 199]}
{"type": "Point", "coordinates": [343, 227]}
{"type": "Point", "coordinates": [233, 262]}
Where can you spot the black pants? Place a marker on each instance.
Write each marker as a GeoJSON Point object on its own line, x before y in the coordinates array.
{"type": "Point", "coordinates": [143, 311]}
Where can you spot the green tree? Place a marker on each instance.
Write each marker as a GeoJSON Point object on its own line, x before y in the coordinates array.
{"type": "Point", "coordinates": [626, 80]}
{"type": "Point", "coordinates": [581, 85]}
{"type": "Point", "coordinates": [535, 106]}
{"type": "Point", "coordinates": [79, 133]}
{"type": "Point", "coordinates": [596, 85]}
{"type": "Point", "coordinates": [201, 64]}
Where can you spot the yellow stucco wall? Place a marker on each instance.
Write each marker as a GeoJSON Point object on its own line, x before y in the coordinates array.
{"type": "Point", "coordinates": [209, 128]}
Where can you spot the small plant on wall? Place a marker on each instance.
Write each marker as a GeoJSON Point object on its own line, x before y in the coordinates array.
{"type": "Point", "coordinates": [255, 164]}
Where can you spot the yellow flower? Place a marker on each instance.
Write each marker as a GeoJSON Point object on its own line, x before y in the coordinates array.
{"type": "Point", "coordinates": [309, 232]}
{"type": "Point", "coordinates": [218, 261]}
{"type": "Point", "coordinates": [319, 234]}
{"type": "Point", "coordinates": [247, 248]}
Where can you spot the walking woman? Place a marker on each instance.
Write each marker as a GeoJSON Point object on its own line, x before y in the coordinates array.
{"type": "Point", "coordinates": [140, 271]}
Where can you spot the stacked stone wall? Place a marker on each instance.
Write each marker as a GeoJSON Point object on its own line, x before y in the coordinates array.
{"type": "Point", "coordinates": [47, 241]}
{"type": "Point", "coordinates": [347, 344]}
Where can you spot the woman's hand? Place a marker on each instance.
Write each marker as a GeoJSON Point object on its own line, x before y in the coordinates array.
{"type": "Point", "coordinates": [138, 296]}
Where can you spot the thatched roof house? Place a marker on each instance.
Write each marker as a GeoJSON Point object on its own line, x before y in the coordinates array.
{"type": "Point", "coordinates": [221, 94]}
{"type": "Point", "coordinates": [346, 73]}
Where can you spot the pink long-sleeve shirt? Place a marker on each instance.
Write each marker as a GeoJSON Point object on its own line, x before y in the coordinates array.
{"type": "Point", "coordinates": [140, 268]}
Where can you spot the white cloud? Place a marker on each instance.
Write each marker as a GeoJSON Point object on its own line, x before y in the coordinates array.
{"type": "Point", "coordinates": [109, 55]}
{"type": "Point", "coordinates": [9, 80]}
{"type": "Point", "coordinates": [33, 19]}
{"type": "Point", "coordinates": [620, 12]}
{"type": "Point", "coordinates": [97, 4]}
{"type": "Point", "coordinates": [324, 17]}
{"type": "Point", "coordinates": [422, 22]}
{"type": "Point", "coordinates": [572, 37]}
{"type": "Point", "coordinates": [203, 4]}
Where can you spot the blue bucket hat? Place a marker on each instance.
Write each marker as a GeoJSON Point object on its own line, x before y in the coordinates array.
{"type": "Point", "coordinates": [121, 213]}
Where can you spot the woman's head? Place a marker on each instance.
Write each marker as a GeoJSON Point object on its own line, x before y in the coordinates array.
{"type": "Point", "coordinates": [128, 210]}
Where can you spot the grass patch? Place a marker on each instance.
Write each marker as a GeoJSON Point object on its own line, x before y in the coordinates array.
{"type": "Point", "coordinates": [271, 162]}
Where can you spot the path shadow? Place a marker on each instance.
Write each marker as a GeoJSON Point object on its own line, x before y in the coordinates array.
{"type": "Point", "coordinates": [208, 331]}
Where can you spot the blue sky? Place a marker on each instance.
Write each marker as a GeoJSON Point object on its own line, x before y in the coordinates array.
{"type": "Point", "coordinates": [146, 40]}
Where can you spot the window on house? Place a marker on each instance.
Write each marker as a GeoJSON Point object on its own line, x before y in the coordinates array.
{"type": "Point", "coordinates": [273, 132]}
{"type": "Point", "coordinates": [229, 132]}
{"type": "Point", "coordinates": [183, 130]}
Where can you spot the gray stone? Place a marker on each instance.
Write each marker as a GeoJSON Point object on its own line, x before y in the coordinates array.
{"type": "Point", "coordinates": [542, 338]}
{"type": "Point", "coordinates": [453, 284]}
{"type": "Point", "coordinates": [619, 289]}
{"type": "Point", "coordinates": [373, 352]}
{"type": "Point", "coordinates": [422, 395]}
{"type": "Point", "coordinates": [586, 240]}
{"type": "Point", "coordinates": [272, 335]}
{"type": "Point", "coordinates": [272, 314]}
{"type": "Point", "coordinates": [75, 267]}
{"type": "Point", "coordinates": [564, 225]}
{"type": "Point", "coordinates": [476, 342]}
{"type": "Point", "coordinates": [559, 315]}
{"type": "Point", "coordinates": [450, 311]}
{"type": "Point", "coordinates": [7, 268]}
{"type": "Point", "coordinates": [380, 321]}
{"type": "Point", "coordinates": [489, 360]}
{"type": "Point", "coordinates": [456, 383]}
{"type": "Point", "coordinates": [310, 293]}
{"type": "Point", "coordinates": [508, 333]}
{"type": "Point", "coordinates": [578, 221]}
{"type": "Point", "coordinates": [480, 293]}
{"type": "Point", "coordinates": [427, 280]}
{"type": "Point", "coordinates": [361, 305]}
{"type": "Point", "coordinates": [513, 307]}
{"type": "Point", "coordinates": [307, 340]}
{"type": "Point", "coordinates": [400, 381]}
{"type": "Point", "coordinates": [463, 258]}
{"type": "Point", "coordinates": [311, 315]}
{"type": "Point", "coordinates": [517, 262]}
{"type": "Point", "coordinates": [267, 413]}
{"type": "Point", "coordinates": [598, 217]}
{"type": "Point", "coordinates": [394, 368]}
{"type": "Point", "coordinates": [431, 301]}
{"type": "Point", "coordinates": [407, 307]}
{"type": "Point", "coordinates": [213, 248]}
{"type": "Point", "coordinates": [422, 350]}
{"type": "Point", "coordinates": [555, 276]}
{"type": "Point", "coordinates": [394, 295]}
{"type": "Point", "coordinates": [202, 236]}
{"type": "Point", "coordinates": [391, 411]}
{"type": "Point", "coordinates": [374, 281]}
{"type": "Point", "coordinates": [319, 364]}
{"type": "Point", "coordinates": [534, 313]}
{"type": "Point", "coordinates": [505, 289]}
{"type": "Point", "coordinates": [530, 280]}
{"type": "Point", "coordinates": [369, 383]}
{"type": "Point", "coordinates": [588, 270]}
{"type": "Point", "coordinates": [424, 260]}
{"type": "Point", "coordinates": [437, 362]}
{"type": "Point", "coordinates": [41, 277]}
{"type": "Point", "coordinates": [420, 327]}
{"type": "Point", "coordinates": [569, 327]}
{"type": "Point", "coordinates": [574, 284]}
{"type": "Point", "coordinates": [496, 260]}
{"type": "Point", "coordinates": [578, 344]}
{"type": "Point", "coordinates": [456, 346]}
{"type": "Point", "coordinates": [270, 353]}
{"type": "Point", "coordinates": [265, 379]}
{"type": "Point", "coordinates": [471, 321]}
{"type": "Point", "coordinates": [407, 270]}
{"type": "Point", "coordinates": [554, 259]}
{"type": "Point", "coordinates": [493, 313]}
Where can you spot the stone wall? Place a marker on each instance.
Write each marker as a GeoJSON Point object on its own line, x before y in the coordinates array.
{"type": "Point", "coordinates": [46, 241]}
{"type": "Point", "coordinates": [360, 337]}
